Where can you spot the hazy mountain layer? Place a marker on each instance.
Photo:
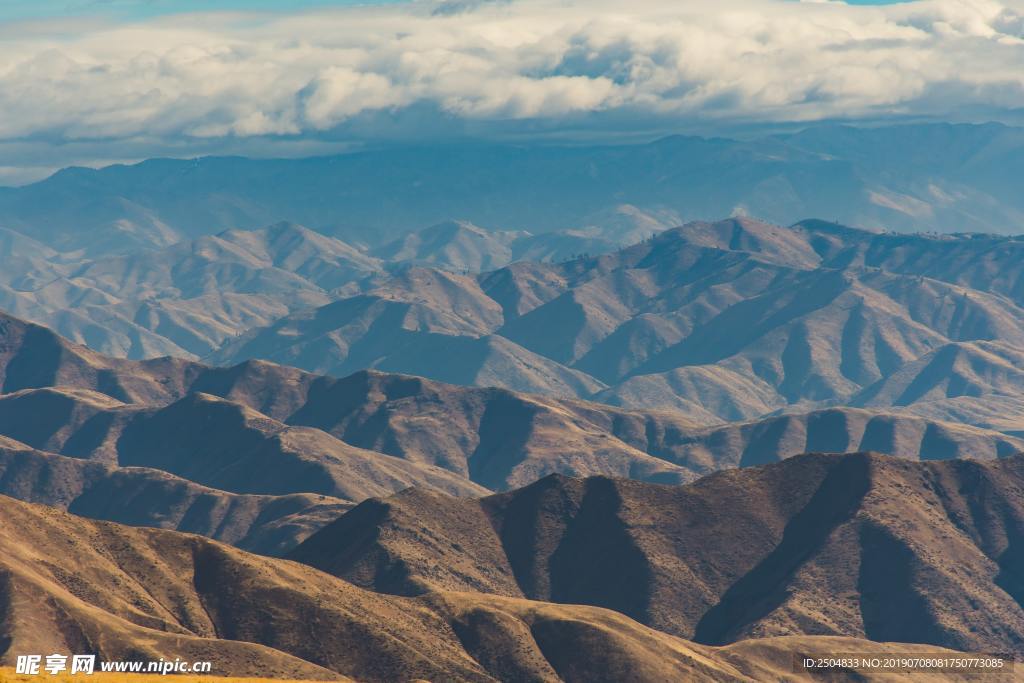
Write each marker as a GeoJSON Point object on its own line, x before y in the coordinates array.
{"type": "Point", "coordinates": [911, 177]}
{"type": "Point", "coordinates": [724, 321]}
{"type": "Point", "coordinates": [184, 596]}
{"type": "Point", "coordinates": [460, 245]}
{"type": "Point", "coordinates": [186, 299]}
{"type": "Point", "coordinates": [192, 297]}
{"type": "Point", "coordinates": [857, 545]}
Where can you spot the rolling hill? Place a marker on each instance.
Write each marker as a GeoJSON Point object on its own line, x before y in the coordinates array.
{"type": "Point", "coordinates": [139, 496]}
{"type": "Point", "coordinates": [184, 596]}
{"type": "Point", "coordinates": [858, 545]}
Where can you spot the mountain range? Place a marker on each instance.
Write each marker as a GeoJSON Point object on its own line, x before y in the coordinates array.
{"type": "Point", "coordinates": [722, 321]}
{"type": "Point", "coordinates": [262, 429]}
{"type": "Point", "coordinates": [934, 177]}
{"type": "Point", "coordinates": [189, 298]}
{"type": "Point", "coordinates": [732, 577]}
{"type": "Point", "coordinates": [726, 321]}
{"type": "Point", "coordinates": [520, 413]}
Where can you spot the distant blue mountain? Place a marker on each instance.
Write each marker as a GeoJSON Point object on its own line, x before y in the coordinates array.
{"type": "Point", "coordinates": [924, 177]}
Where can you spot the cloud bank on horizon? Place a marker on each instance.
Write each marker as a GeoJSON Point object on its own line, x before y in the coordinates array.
{"type": "Point", "coordinates": [223, 80]}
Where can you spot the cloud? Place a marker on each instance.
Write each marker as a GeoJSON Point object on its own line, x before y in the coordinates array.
{"type": "Point", "coordinates": [548, 63]}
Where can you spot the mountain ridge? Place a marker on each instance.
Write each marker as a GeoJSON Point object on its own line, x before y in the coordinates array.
{"type": "Point", "coordinates": [727, 321]}
{"type": "Point", "coordinates": [494, 437]}
{"type": "Point", "coordinates": [822, 171]}
{"type": "Point", "coordinates": [856, 545]}
{"type": "Point", "coordinates": [269, 525]}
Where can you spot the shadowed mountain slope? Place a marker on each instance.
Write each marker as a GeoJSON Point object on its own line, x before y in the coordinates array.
{"type": "Point", "coordinates": [418, 321]}
{"type": "Point", "coordinates": [976, 383]}
{"type": "Point", "coordinates": [139, 496]}
{"type": "Point", "coordinates": [185, 596]}
{"type": "Point", "coordinates": [389, 414]}
{"type": "Point", "coordinates": [493, 437]}
{"type": "Point", "coordinates": [213, 442]}
{"type": "Point", "coordinates": [858, 545]}
{"type": "Point", "coordinates": [32, 356]}
{"type": "Point", "coordinates": [842, 430]}
{"type": "Point", "coordinates": [440, 436]}
{"type": "Point", "coordinates": [505, 437]}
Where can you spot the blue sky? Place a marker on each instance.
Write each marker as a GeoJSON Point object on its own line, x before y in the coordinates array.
{"type": "Point", "coordinates": [139, 9]}
{"type": "Point", "coordinates": [24, 9]}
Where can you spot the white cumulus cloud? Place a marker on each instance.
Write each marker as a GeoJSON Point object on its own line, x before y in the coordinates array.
{"type": "Point", "coordinates": [238, 76]}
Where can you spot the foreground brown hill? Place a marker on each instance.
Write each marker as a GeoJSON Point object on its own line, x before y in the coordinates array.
{"type": "Point", "coordinates": [856, 545]}
{"type": "Point", "coordinates": [184, 596]}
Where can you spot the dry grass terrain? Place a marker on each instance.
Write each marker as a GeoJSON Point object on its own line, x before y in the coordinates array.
{"type": "Point", "coordinates": [184, 596]}
{"type": "Point", "coordinates": [856, 545]}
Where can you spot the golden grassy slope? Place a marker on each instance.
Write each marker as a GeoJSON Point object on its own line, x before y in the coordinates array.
{"type": "Point", "coordinates": [182, 595]}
